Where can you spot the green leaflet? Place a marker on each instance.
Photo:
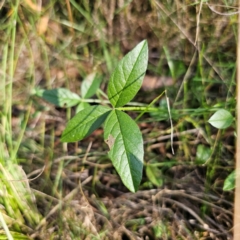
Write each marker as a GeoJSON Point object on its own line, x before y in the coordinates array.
{"type": "Point", "coordinates": [126, 147]}
{"type": "Point", "coordinates": [61, 97]}
{"type": "Point", "coordinates": [229, 183]}
{"type": "Point", "coordinates": [127, 78]}
{"type": "Point", "coordinates": [84, 123]}
{"type": "Point", "coordinates": [221, 119]}
{"type": "Point", "coordinates": [90, 85]}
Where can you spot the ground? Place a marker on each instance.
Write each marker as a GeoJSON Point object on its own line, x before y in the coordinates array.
{"type": "Point", "coordinates": [73, 191]}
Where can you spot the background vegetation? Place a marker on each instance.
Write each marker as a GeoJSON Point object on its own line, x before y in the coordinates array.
{"type": "Point", "coordinates": [54, 190]}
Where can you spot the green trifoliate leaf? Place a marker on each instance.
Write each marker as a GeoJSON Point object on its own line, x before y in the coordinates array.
{"type": "Point", "coordinates": [90, 85]}
{"type": "Point", "coordinates": [84, 123]}
{"type": "Point", "coordinates": [127, 78]}
{"type": "Point", "coordinates": [60, 97]}
{"type": "Point", "coordinates": [221, 119]}
{"type": "Point", "coordinates": [124, 139]}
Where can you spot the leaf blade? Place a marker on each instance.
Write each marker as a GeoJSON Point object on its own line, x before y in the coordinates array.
{"type": "Point", "coordinates": [84, 123]}
{"type": "Point", "coordinates": [221, 119]}
{"type": "Point", "coordinates": [126, 151]}
{"type": "Point", "coordinates": [90, 85]}
{"type": "Point", "coordinates": [229, 183]}
{"type": "Point", "coordinates": [60, 97]}
{"type": "Point", "coordinates": [127, 78]}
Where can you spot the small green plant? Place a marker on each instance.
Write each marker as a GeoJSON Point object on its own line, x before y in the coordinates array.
{"type": "Point", "coordinates": [121, 132]}
{"type": "Point", "coordinates": [223, 119]}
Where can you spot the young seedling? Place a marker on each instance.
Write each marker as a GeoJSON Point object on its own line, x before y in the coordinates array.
{"type": "Point", "coordinates": [121, 133]}
{"type": "Point", "coordinates": [223, 119]}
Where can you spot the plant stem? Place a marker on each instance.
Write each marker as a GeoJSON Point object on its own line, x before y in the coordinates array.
{"type": "Point", "coordinates": [141, 109]}
{"type": "Point", "coordinates": [108, 102]}
{"type": "Point", "coordinates": [149, 106]}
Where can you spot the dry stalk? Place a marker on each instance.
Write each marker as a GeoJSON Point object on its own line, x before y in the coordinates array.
{"type": "Point", "coordinates": [236, 222]}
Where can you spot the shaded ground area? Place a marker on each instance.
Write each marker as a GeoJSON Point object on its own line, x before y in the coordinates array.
{"type": "Point", "coordinates": [79, 193]}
